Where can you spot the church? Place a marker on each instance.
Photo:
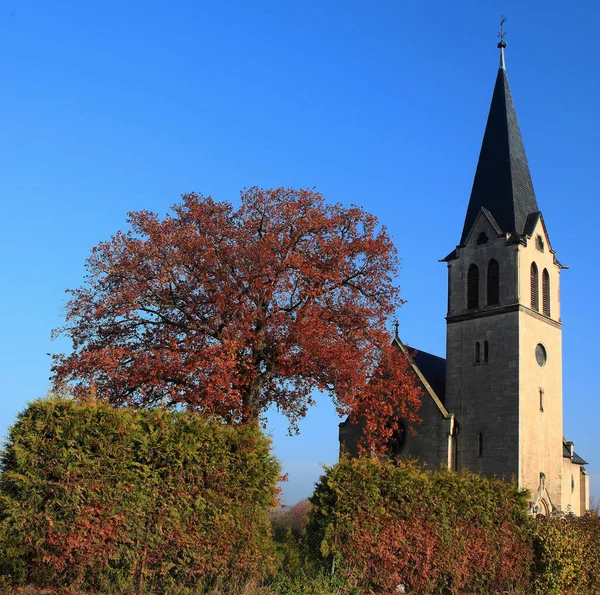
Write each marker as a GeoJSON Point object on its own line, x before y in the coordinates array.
{"type": "Point", "coordinates": [494, 405]}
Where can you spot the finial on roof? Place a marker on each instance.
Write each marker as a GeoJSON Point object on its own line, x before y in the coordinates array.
{"type": "Point", "coordinates": [396, 328]}
{"type": "Point", "coordinates": [502, 43]}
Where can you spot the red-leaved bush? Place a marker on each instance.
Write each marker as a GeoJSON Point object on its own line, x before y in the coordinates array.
{"type": "Point", "coordinates": [390, 523]}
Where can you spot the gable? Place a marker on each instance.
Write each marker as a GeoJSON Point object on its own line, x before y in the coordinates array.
{"type": "Point", "coordinates": [484, 224]}
{"type": "Point", "coordinates": [535, 230]}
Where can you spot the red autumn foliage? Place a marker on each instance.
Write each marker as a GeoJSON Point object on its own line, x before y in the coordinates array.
{"type": "Point", "coordinates": [230, 311]}
{"type": "Point", "coordinates": [387, 523]}
{"type": "Point", "coordinates": [94, 538]}
{"type": "Point", "coordinates": [394, 553]}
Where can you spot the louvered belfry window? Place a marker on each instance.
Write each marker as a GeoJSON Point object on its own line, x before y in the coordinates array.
{"type": "Point", "coordinates": [535, 297]}
{"type": "Point", "coordinates": [546, 292]}
{"type": "Point", "coordinates": [473, 287]}
{"type": "Point", "coordinates": [493, 283]}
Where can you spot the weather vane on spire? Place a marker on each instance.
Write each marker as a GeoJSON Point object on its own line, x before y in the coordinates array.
{"type": "Point", "coordinates": [396, 327]}
{"type": "Point", "coordinates": [502, 33]}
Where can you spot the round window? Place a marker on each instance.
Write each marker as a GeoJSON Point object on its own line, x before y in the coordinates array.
{"type": "Point", "coordinates": [540, 354]}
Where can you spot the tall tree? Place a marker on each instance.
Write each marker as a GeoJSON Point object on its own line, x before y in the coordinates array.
{"type": "Point", "coordinates": [230, 311]}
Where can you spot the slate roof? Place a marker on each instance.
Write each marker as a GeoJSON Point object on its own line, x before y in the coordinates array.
{"type": "Point", "coordinates": [531, 222]}
{"type": "Point", "coordinates": [576, 458]}
{"type": "Point", "coordinates": [434, 370]}
{"type": "Point", "coordinates": [502, 182]}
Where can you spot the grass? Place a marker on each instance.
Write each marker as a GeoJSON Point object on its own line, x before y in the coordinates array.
{"type": "Point", "coordinates": [280, 585]}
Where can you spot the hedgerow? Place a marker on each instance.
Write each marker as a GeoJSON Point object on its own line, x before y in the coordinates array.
{"type": "Point", "coordinates": [567, 555]}
{"type": "Point", "coordinates": [116, 500]}
{"type": "Point", "coordinates": [384, 524]}
{"type": "Point", "coordinates": [105, 500]}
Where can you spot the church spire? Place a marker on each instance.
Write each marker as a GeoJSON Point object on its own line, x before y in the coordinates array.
{"type": "Point", "coordinates": [502, 182]}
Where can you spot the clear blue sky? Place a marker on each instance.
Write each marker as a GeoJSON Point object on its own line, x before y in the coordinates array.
{"type": "Point", "coordinates": [115, 106]}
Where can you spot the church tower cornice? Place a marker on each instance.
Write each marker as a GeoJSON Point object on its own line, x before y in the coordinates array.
{"type": "Point", "coordinates": [504, 310]}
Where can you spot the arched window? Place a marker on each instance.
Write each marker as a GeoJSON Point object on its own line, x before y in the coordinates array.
{"type": "Point", "coordinates": [493, 283]}
{"type": "Point", "coordinates": [535, 298]}
{"type": "Point", "coordinates": [480, 444]}
{"type": "Point", "coordinates": [477, 352]}
{"type": "Point", "coordinates": [486, 352]}
{"type": "Point", "coordinates": [546, 292]}
{"type": "Point", "coordinates": [473, 287]}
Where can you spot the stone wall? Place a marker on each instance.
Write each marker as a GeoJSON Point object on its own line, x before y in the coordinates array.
{"type": "Point", "coordinates": [540, 386]}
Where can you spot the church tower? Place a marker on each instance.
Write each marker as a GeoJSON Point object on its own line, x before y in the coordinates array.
{"type": "Point", "coordinates": [494, 405]}
{"type": "Point", "coordinates": [504, 345]}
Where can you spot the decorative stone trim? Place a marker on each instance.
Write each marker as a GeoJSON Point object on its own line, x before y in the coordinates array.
{"type": "Point", "coordinates": [502, 310]}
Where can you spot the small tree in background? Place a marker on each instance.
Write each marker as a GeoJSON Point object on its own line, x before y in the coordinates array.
{"type": "Point", "coordinates": [231, 311]}
{"type": "Point", "coordinates": [289, 530]}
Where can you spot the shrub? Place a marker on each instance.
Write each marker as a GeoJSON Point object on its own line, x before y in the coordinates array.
{"type": "Point", "coordinates": [113, 500]}
{"type": "Point", "coordinates": [386, 523]}
{"type": "Point", "coordinates": [289, 528]}
{"type": "Point", "coordinates": [567, 555]}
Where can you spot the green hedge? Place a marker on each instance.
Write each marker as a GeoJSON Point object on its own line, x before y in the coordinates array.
{"type": "Point", "coordinates": [119, 500]}
{"type": "Point", "coordinates": [115, 500]}
{"type": "Point", "coordinates": [567, 555]}
{"type": "Point", "coordinates": [384, 524]}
